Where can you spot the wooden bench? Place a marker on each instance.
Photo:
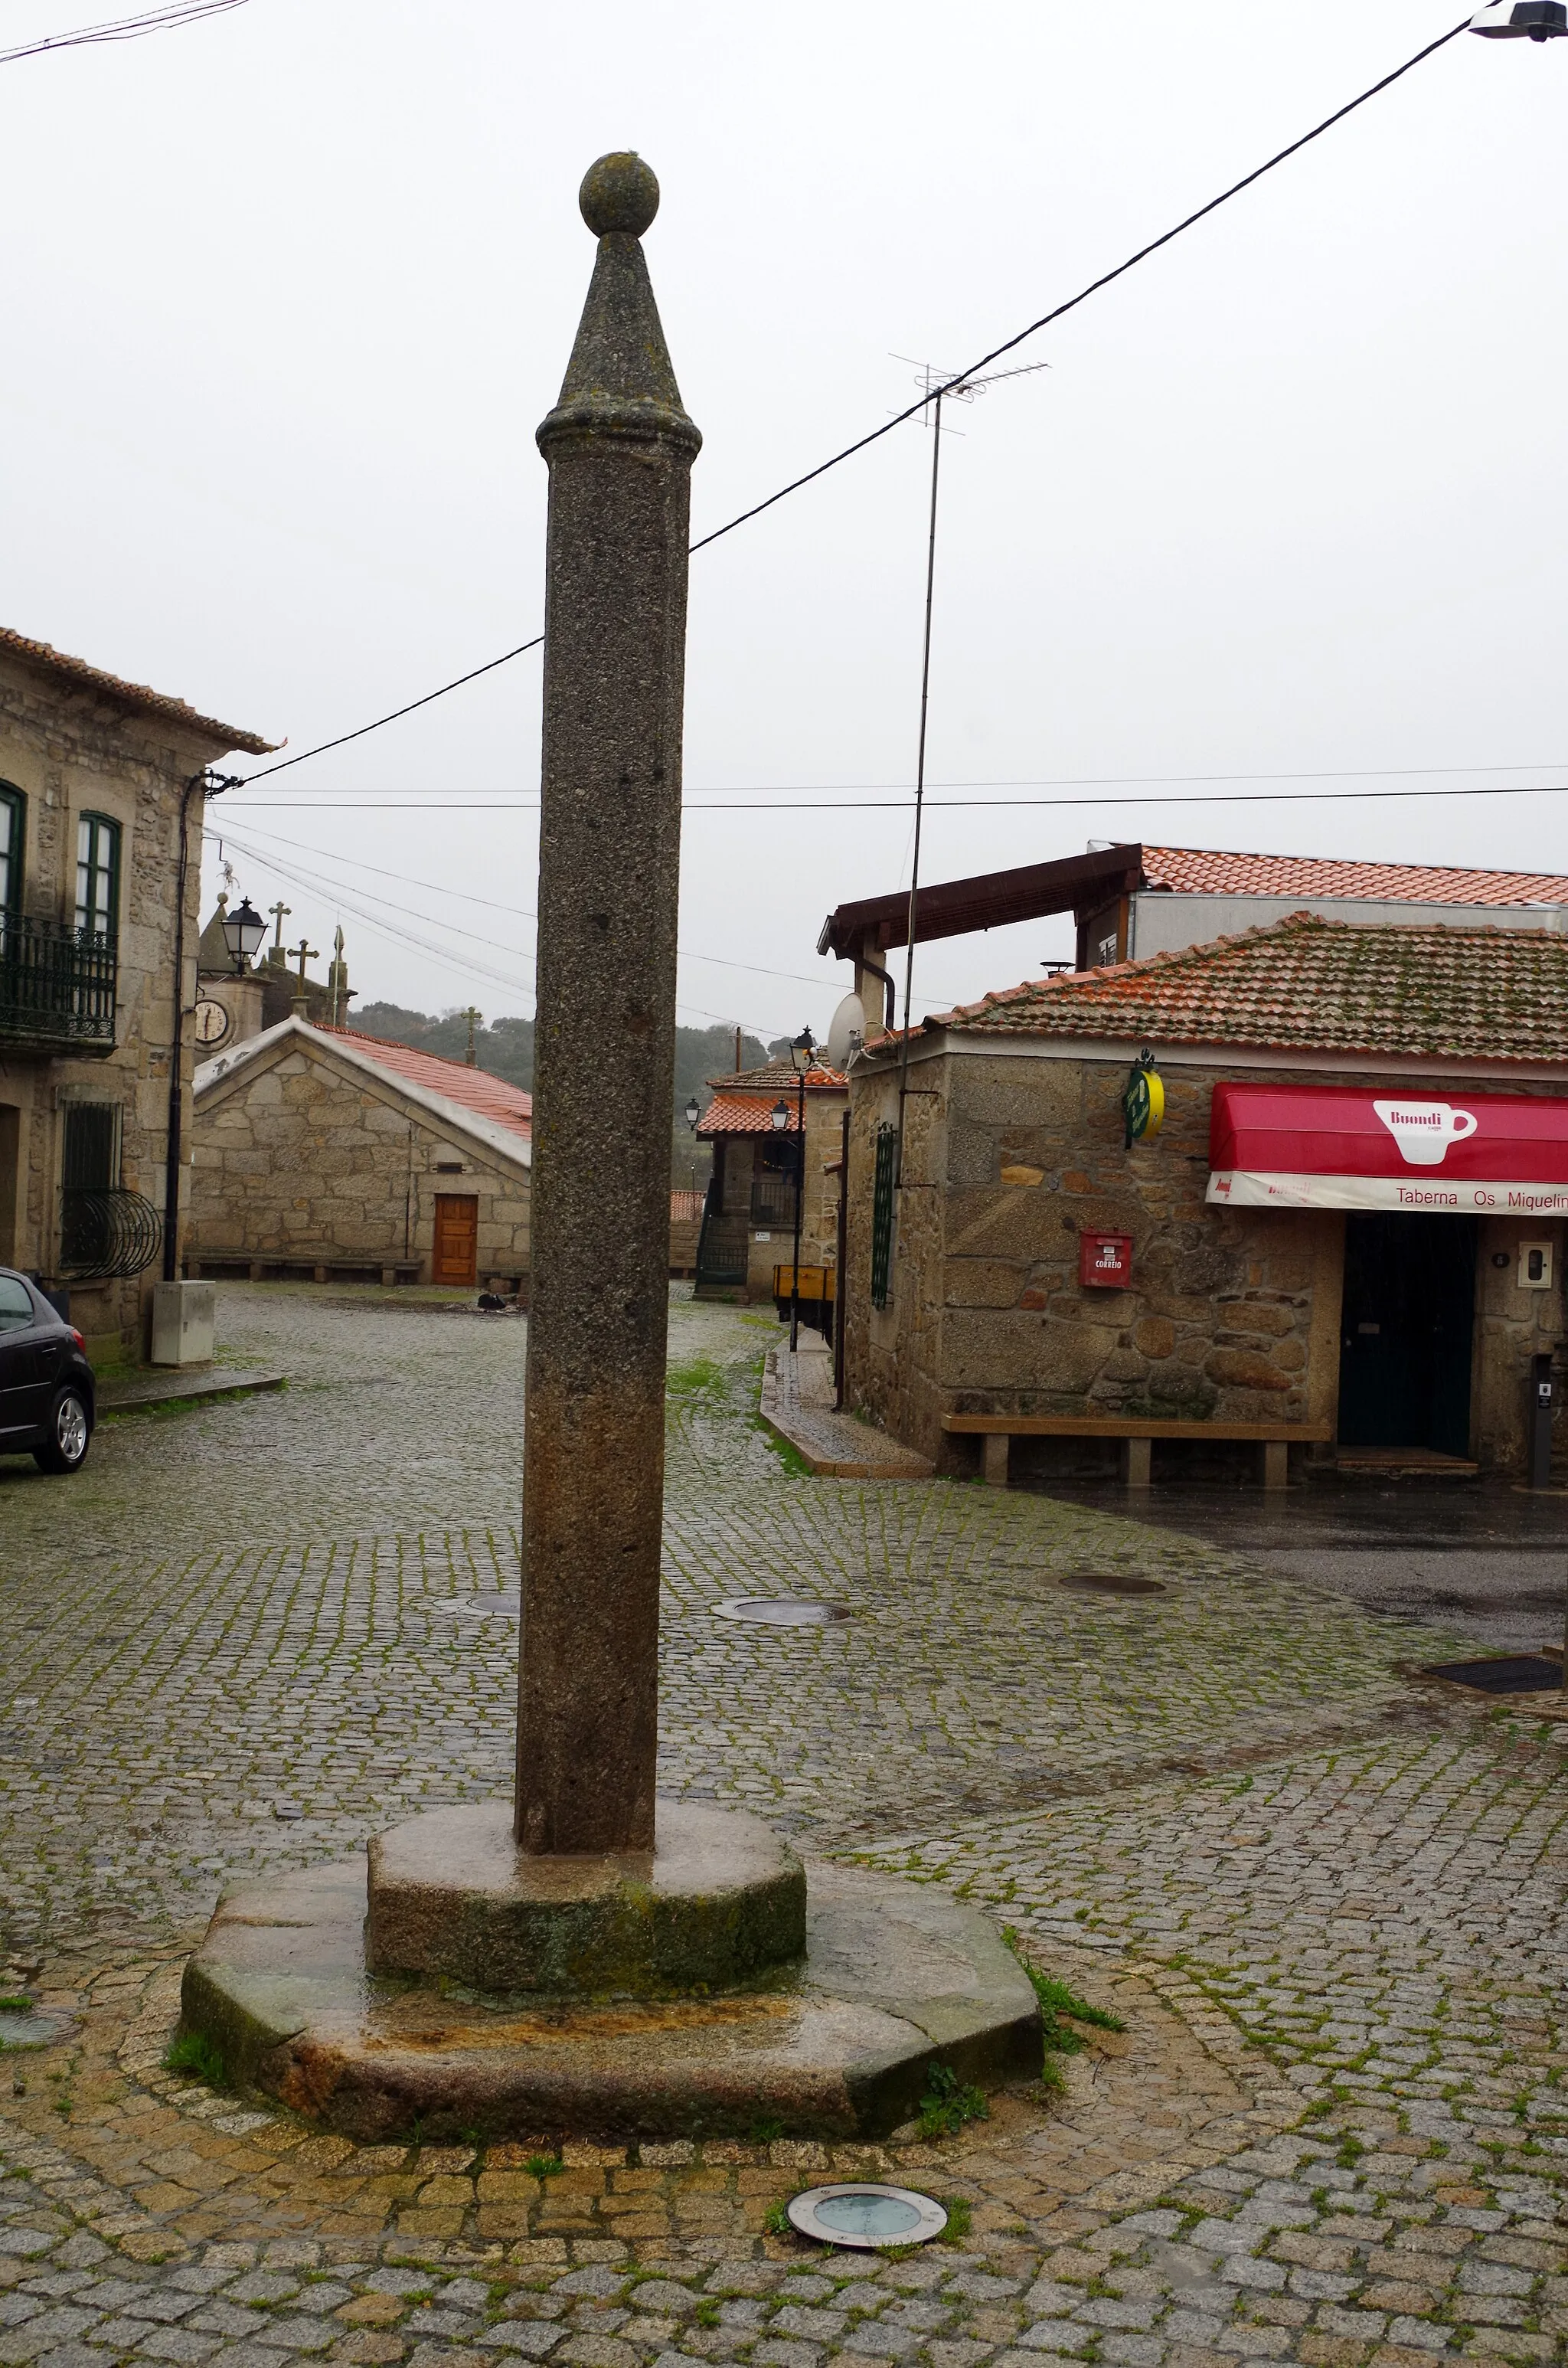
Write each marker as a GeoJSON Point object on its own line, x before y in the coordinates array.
{"type": "Point", "coordinates": [1137, 1437]}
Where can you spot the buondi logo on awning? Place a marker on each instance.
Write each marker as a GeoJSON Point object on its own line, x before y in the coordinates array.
{"type": "Point", "coordinates": [1425, 1130]}
{"type": "Point", "coordinates": [1337, 1148]}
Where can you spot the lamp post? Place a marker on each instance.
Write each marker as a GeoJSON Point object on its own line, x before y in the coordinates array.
{"type": "Point", "coordinates": [692, 1113]}
{"type": "Point", "coordinates": [242, 932]}
{"type": "Point", "coordinates": [1521, 20]}
{"type": "Point", "coordinates": [800, 1052]}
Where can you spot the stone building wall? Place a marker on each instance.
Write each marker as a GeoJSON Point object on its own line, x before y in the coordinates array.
{"type": "Point", "coordinates": [304, 1161]}
{"type": "Point", "coordinates": [71, 750]}
{"type": "Point", "coordinates": [1232, 1313]}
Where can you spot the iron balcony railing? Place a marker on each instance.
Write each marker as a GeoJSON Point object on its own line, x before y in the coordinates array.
{"type": "Point", "coordinates": [106, 1234]}
{"type": "Point", "coordinates": [57, 986]}
{"type": "Point", "coordinates": [722, 1246]}
{"type": "Point", "coordinates": [772, 1199]}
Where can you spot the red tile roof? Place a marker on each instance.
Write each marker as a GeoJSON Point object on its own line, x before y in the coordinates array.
{"type": "Point", "coordinates": [135, 696]}
{"type": "Point", "coordinates": [1214, 872]}
{"type": "Point", "coordinates": [742, 1104]}
{"type": "Point", "coordinates": [777, 1076]}
{"type": "Point", "coordinates": [493, 1098]}
{"type": "Point", "coordinates": [1312, 985]}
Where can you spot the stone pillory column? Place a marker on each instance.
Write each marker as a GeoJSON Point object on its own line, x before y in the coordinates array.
{"type": "Point", "coordinates": [620, 449]}
{"type": "Point", "coordinates": [380, 1996]}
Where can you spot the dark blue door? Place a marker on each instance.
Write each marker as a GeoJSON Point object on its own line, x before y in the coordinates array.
{"type": "Point", "coordinates": [1404, 1337]}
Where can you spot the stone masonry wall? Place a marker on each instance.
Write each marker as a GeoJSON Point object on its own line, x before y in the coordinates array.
{"type": "Point", "coordinates": [70, 752]}
{"type": "Point", "coordinates": [303, 1159]}
{"type": "Point", "coordinates": [1233, 1314]}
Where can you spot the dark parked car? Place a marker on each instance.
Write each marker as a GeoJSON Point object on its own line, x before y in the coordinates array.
{"type": "Point", "coordinates": [46, 1383]}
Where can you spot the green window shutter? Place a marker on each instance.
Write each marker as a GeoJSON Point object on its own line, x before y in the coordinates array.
{"type": "Point", "coordinates": [881, 1212]}
{"type": "Point", "coordinates": [12, 825]}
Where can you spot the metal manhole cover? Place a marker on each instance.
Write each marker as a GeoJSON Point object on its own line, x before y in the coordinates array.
{"type": "Point", "coordinates": [504, 1605]}
{"type": "Point", "coordinates": [1114, 1582]}
{"type": "Point", "coordinates": [1510, 1673]}
{"type": "Point", "coordinates": [783, 1610]}
{"type": "Point", "coordinates": [862, 2217]}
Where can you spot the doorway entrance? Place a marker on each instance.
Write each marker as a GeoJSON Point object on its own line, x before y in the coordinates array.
{"type": "Point", "coordinates": [1406, 1322]}
{"type": "Point", "coordinates": [455, 1259]}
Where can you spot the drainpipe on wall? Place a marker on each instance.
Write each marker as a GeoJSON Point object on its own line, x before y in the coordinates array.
{"type": "Point", "coordinates": [210, 785]}
{"type": "Point", "coordinates": [840, 1306]}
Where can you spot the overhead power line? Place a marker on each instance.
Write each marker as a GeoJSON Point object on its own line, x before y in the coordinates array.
{"type": "Point", "coordinates": [322, 884]}
{"type": "Point", "coordinates": [947, 805]}
{"type": "Point", "coordinates": [901, 418]}
{"type": "Point", "coordinates": [124, 28]}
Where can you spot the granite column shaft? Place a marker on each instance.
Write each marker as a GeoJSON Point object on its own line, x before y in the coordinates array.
{"type": "Point", "coordinates": [619, 448]}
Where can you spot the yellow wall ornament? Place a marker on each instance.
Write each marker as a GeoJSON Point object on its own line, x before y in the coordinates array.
{"type": "Point", "coordinates": [1143, 1104]}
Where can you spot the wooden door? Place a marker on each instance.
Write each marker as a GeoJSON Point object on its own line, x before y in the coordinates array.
{"type": "Point", "coordinates": [457, 1238]}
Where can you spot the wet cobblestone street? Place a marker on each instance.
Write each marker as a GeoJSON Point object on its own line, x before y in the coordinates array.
{"type": "Point", "coordinates": [1325, 1899]}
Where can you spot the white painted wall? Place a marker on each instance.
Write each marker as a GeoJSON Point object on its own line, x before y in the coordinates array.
{"type": "Point", "coordinates": [1162, 922]}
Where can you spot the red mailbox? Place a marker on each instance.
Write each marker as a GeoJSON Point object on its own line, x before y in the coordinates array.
{"type": "Point", "coordinates": [1105, 1260]}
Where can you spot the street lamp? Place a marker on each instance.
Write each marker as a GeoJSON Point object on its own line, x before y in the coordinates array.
{"type": "Point", "coordinates": [693, 1113]}
{"type": "Point", "coordinates": [1521, 20]}
{"type": "Point", "coordinates": [800, 1052]}
{"type": "Point", "coordinates": [242, 932]}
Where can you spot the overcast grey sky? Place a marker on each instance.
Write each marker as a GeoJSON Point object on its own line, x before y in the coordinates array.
{"type": "Point", "coordinates": [289, 290]}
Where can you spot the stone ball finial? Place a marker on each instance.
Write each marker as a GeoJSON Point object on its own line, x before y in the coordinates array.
{"type": "Point", "coordinates": [618, 193]}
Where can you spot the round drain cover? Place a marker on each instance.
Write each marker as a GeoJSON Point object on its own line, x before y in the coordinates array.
{"type": "Point", "coordinates": [862, 2217]}
{"type": "Point", "coordinates": [500, 1606]}
{"type": "Point", "coordinates": [1114, 1582]}
{"type": "Point", "coordinates": [783, 1612]}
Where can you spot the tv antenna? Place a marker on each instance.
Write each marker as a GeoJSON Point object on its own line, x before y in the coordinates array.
{"type": "Point", "coordinates": [940, 386]}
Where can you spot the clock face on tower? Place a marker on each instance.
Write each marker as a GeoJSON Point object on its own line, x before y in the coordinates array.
{"type": "Point", "coordinates": [212, 1023]}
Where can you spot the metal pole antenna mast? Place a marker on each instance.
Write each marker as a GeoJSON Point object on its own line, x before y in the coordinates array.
{"type": "Point", "coordinates": [938, 384]}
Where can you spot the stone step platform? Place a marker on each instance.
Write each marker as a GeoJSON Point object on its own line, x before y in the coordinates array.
{"type": "Point", "coordinates": [797, 1406]}
{"type": "Point", "coordinates": [897, 1976]}
{"type": "Point", "coordinates": [173, 1385]}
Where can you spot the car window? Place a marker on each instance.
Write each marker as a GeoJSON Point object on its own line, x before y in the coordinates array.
{"type": "Point", "coordinates": [16, 1303]}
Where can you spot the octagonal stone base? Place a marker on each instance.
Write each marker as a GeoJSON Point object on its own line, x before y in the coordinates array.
{"type": "Point", "coordinates": [895, 1976]}
{"type": "Point", "coordinates": [718, 1900]}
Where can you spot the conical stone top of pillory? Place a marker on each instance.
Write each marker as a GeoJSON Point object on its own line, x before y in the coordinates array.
{"type": "Point", "coordinates": [618, 193]}
{"type": "Point", "coordinates": [619, 380]}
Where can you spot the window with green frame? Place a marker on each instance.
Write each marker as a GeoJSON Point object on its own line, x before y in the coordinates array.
{"type": "Point", "coordinates": [98, 874]}
{"type": "Point", "coordinates": [12, 831]}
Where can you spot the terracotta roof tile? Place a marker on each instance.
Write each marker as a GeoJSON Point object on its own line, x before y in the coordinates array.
{"type": "Point", "coordinates": [136, 696]}
{"type": "Point", "coordinates": [1214, 872]}
{"type": "Point", "coordinates": [476, 1089]}
{"type": "Point", "coordinates": [777, 1076]}
{"type": "Point", "coordinates": [743, 1114]}
{"type": "Point", "coordinates": [1314, 986]}
{"type": "Point", "coordinates": [743, 1103]}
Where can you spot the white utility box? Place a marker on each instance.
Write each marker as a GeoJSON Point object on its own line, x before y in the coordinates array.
{"type": "Point", "coordinates": [182, 1318]}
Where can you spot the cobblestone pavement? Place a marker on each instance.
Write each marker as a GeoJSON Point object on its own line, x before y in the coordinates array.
{"type": "Point", "coordinates": [1325, 1899]}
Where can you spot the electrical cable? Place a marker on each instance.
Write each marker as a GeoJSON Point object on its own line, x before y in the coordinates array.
{"type": "Point", "coordinates": [319, 884]}
{"type": "Point", "coordinates": [1104, 280]}
{"type": "Point", "coordinates": [125, 28]}
{"type": "Point", "coordinates": [948, 805]}
{"type": "Point", "coordinates": [901, 417]}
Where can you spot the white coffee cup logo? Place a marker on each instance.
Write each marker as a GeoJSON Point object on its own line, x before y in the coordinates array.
{"type": "Point", "coordinates": [1425, 1130]}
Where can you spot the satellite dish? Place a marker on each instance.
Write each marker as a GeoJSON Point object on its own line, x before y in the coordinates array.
{"type": "Point", "coordinates": [846, 1033]}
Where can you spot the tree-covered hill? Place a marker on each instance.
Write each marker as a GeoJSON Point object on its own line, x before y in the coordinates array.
{"type": "Point", "coordinates": [505, 1047]}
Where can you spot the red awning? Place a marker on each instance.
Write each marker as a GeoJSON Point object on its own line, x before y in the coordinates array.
{"type": "Point", "coordinates": [1336, 1147]}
